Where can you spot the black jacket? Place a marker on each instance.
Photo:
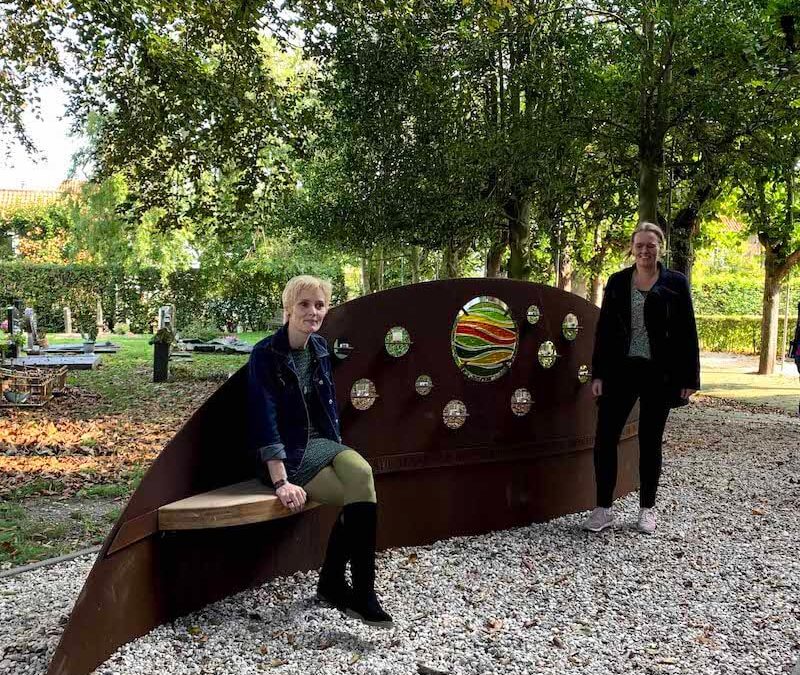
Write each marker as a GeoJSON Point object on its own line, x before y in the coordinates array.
{"type": "Point", "coordinates": [670, 323]}
{"type": "Point", "coordinates": [795, 343]}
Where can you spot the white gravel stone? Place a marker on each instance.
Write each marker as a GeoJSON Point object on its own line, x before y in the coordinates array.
{"type": "Point", "coordinates": [715, 590]}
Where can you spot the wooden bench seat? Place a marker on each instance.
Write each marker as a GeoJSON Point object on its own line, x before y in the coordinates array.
{"type": "Point", "coordinates": [240, 504]}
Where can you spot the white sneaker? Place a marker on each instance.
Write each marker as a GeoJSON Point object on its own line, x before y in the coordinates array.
{"type": "Point", "coordinates": [647, 521]}
{"type": "Point", "coordinates": [599, 519]}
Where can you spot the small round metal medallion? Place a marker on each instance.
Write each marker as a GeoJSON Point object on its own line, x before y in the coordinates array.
{"type": "Point", "coordinates": [584, 374]}
{"type": "Point", "coordinates": [570, 326]}
{"type": "Point", "coordinates": [455, 414]}
{"type": "Point", "coordinates": [521, 401]}
{"type": "Point", "coordinates": [423, 385]}
{"type": "Point", "coordinates": [484, 339]}
{"type": "Point", "coordinates": [363, 394]}
{"type": "Point", "coordinates": [397, 341]}
{"type": "Point", "coordinates": [533, 314]}
{"type": "Point", "coordinates": [547, 354]}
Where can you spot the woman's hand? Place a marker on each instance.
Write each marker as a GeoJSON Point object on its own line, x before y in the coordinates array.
{"type": "Point", "coordinates": [597, 388]}
{"type": "Point", "coordinates": [686, 393]}
{"type": "Point", "coordinates": [293, 497]}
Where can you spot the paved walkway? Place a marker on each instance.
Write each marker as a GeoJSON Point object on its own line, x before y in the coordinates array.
{"type": "Point", "coordinates": [734, 376]}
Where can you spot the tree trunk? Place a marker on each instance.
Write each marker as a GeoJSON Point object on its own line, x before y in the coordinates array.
{"type": "Point", "coordinates": [596, 292]}
{"type": "Point", "coordinates": [686, 225]}
{"type": "Point", "coordinates": [519, 233]}
{"type": "Point", "coordinates": [366, 287]}
{"type": "Point", "coordinates": [415, 264]}
{"type": "Point", "coordinates": [380, 265]}
{"type": "Point", "coordinates": [494, 257]}
{"type": "Point", "coordinates": [681, 233]}
{"type": "Point", "coordinates": [449, 268]}
{"type": "Point", "coordinates": [769, 317]}
{"type": "Point", "coordinates": [578, 284]}
{"type": "Point", "coordinates": [649, 169]}
{"type": "Point", "coordinates": [564, 280]}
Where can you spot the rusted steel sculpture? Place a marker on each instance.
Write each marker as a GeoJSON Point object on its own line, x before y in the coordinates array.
{"type": "Point", "coordinates": [431, 352]}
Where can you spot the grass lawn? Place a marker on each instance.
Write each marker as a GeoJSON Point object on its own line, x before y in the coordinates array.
{"type": "Point", "coordinates": [735, 377]}
{"type": "Point", "coordinates": [66, 470]}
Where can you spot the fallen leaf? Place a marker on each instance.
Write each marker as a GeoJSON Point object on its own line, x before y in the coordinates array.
{"type": "Point", "coordinates": [494, 625]}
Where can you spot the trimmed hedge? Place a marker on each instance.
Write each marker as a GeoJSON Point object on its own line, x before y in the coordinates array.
{"type": "Point", "coordinates": [728, 297]}
{"type": "Point", "coordinates": [737, 334]}
{"type": "Point", "coordinates": [250, 298]}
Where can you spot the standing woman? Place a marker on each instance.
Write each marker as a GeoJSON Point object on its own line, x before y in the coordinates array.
{"type": "Point", "coordinates": [645, 348]}
{"type": "Point", "coordinates": [295, 429]}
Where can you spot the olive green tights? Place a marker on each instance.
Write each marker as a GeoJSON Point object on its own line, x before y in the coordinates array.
{"type": "Point", "coordinates": [346, 480]}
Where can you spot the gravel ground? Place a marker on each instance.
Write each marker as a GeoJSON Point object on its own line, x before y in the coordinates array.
{"type": "Point", "coordinates": [715, 590]}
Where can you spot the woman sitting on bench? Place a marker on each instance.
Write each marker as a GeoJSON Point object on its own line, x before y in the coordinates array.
{"type": "Point", "coordinates": [295, 428]}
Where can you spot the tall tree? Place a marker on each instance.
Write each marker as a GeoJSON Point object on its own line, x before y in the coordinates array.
{"type": "Point", "coordinates": [767, 196]}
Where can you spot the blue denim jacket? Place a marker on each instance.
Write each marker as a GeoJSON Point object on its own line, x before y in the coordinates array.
{"type": "Point", "coordinates": [277, 411]}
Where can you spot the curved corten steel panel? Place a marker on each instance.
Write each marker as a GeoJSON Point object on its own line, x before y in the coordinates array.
{"type": "Point", "coordinates": [496, 471]}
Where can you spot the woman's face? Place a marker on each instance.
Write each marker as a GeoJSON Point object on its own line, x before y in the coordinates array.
{"type": "Point", "coordinates": [308, 311]}
{"type": "Point", "coordinates": [646, 249]}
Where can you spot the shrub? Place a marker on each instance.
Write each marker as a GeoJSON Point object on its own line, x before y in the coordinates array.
{"type": "Point", "coordinates": [200, 330]}
{"type": "Point", "coordinates": [737, 334]}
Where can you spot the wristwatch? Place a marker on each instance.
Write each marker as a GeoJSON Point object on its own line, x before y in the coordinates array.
{"type": "Point", "coordinates": [279, 483]}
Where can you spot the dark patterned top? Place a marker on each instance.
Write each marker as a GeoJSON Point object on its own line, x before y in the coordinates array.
{"type": "Point", "coordinates": [640, 341]}
{"type": "Point", "coordinates": [319, 451]}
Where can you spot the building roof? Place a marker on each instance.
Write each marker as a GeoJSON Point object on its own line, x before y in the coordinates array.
{"type": "Point", "coordinates": [10, 200]}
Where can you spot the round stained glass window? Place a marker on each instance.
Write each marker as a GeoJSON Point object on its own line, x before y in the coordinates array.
{"type": "Point", "coordinates": [423, 385]}
{"type": "Point", "coordinates": [397, 341]}
{"type": "Point", "coordinates": [584, 374]}
{"type": "Point", "coordinates": [363, 394]}
{"type": "Point", "coordinates": [484, 339]}
{"type": "Point", "coordinates": [521, 402]}
{"type": "Point", "coordinates": [570, 326]}
{"type": "Point", "coordinates": [547, 354]}
{"type": "Point", "coordinates": [455, 414]}
{"type": "Point", "coordinates": [533, 314]}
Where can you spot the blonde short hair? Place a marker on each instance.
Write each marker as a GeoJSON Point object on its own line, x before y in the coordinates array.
{"type": "Point", "coordinates": [296, 285]}
{"type": "Point", "coordinates": [646, 226]}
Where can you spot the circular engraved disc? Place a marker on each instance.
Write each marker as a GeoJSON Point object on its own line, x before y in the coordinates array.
{"type": "Point", "coordinates": [363, 394]}
{"type": "Point", "coordinates": [547, 354]}
{"type": "Point", "coordinates": [533, 314]}
{"type": "Point", "coordinates": [423, 385]}
{"type": "Point", "coordinates": [584, 374]}
{"type": "Point", "coordinates": [521, 401]}
{"type": "Point", "coordinates": [342, 348]}
{"type": "Point", "coordinates": [454, 414]}
{"type": "Point", "coordinates": [484, 339]}
{"type": "Point", "coordinates": [570, 326]}
{"type": "Point", "coordinates": [397, 341]}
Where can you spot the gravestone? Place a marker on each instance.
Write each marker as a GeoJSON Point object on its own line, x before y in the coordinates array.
{"type": "Point", "coordinates": [166, 317]}
{"type": "Point", "coordinates": [30, 325]}
{"type": "Point", "coordinates": [14, 323]}
{"type": "Point", "coordinates": [67, 320]}
{"type": "Point", "coordinates": [166, 321]}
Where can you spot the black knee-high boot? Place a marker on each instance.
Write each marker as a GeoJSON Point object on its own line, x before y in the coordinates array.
{"type": "Point", "coordinates": [360, 520]}
{"type": "Point", "coordinates": [333, 587]}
